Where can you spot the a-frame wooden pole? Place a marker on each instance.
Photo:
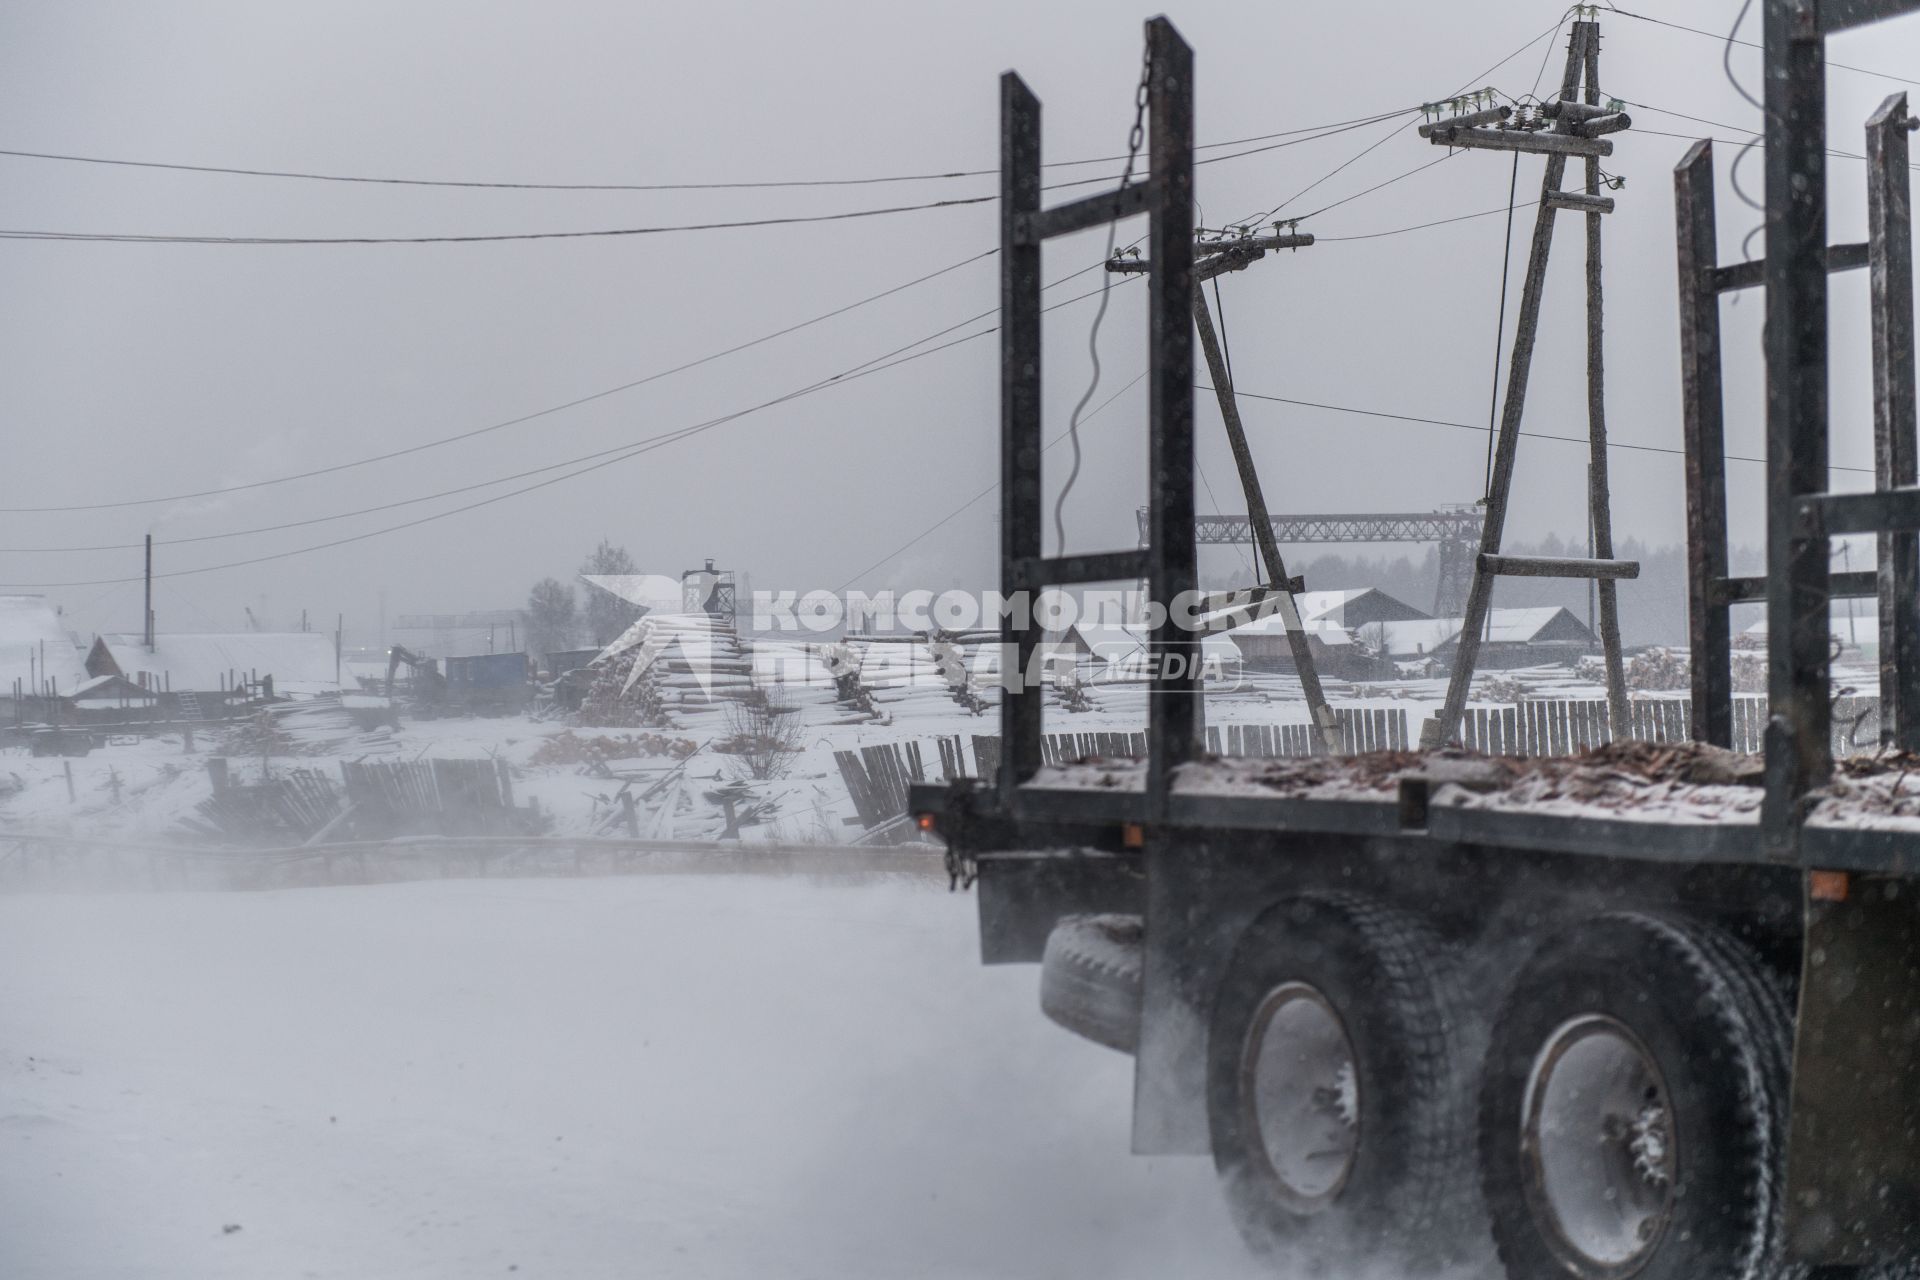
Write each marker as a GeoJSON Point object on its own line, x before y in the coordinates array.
{"type": "Point", "coordinates": [1480, 595]}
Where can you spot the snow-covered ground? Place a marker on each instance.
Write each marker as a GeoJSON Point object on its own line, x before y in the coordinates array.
{"type": "Point", "coordinates": [665, 1076]}
{"type": "Point", "coordinates": [141, 789]}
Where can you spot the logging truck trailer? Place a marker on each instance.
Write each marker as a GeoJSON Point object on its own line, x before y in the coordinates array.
{"type": "Point", "coordinates": [1651, 1012]}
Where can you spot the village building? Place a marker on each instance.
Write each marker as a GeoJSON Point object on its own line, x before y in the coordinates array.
{"type": "Point", "coordinates": [299, 664]}
{"type": "Point", "coordinates": [1526, 637]}
{"type": "Point", "coordinates": [38, 657]}
{"type": "Point", "coordinates": [1330, 620]}
{"type": "Point", "coordinates": [1355, 607]}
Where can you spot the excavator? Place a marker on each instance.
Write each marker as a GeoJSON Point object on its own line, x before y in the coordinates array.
{"type": "Point", "coordinates": [429, 686]}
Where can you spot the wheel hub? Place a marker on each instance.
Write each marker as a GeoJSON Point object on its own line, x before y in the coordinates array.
{"type": "Point", "coordinates": [1301, 1095]}
{"type": "Point", "coordinates": [1598, 1145]}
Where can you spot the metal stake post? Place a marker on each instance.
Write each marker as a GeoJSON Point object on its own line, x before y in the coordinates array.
{"type": "Point", "coordinates": [1175, 707]}
{"type": "Point", "coordinates": [1169, 562]}
{"type": "Point", "coordinates": [1709, 630]}
{"type": "Point", "coordinates": [1890, 260]}
{"type": "Point", "coordinates": [1020, 442]}
{"type": "Point", "coordinates": [1799, 749]}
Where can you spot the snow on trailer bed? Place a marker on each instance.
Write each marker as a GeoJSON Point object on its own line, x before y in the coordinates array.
{"type": "Point", "coordinates": [1707, 797]}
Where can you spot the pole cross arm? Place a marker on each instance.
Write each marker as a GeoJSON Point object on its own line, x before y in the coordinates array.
{"type": "Point", "coordinates": [1576, 202]}
{"type": "Point", "coordinates": [1226, 255]}
{"type": "Point", "coordinates": [1492, 115]}
{"type": "Point", "coordinates": [1541, 143]}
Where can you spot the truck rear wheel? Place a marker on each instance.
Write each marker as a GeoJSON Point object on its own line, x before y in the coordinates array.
{"type": "Point", "coordinates": [1341, 1127]}
{"type": "Point", "coordinates": [1633, 1105]}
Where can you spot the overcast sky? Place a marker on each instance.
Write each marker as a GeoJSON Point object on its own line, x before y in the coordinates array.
{"type": "Point", "coordinates": [136, 371]}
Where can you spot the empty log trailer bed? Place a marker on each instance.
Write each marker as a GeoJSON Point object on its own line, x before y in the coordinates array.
{"type": "Point", "coordinates": [1653, 1011]}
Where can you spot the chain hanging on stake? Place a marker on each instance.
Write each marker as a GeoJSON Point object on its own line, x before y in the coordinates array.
{"type": "Point", "coordinates": [1136, 137]}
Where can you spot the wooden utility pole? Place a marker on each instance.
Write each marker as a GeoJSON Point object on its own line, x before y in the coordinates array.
{"type": "Point", "coordinates": [1213, 258]}
{"type": "Point", "coordinates": [1573, 124]}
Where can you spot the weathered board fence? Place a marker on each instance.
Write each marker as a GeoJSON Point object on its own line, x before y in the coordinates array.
{"type": "Point", "coordinates": [1562, 726]}
{"type": "Point", "coordinates": [877, 777]}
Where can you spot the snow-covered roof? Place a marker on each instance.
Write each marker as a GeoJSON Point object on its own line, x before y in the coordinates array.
{"type": "Point", "coordinates": [103, 686]}
{"type": "Point", "coordinates": [300, 662]}
{"type": "Point", "coordinates": [1517, 626]}
{"type": "Point", "coordinates": [30, 630]}
{"type": "Point", "coordinates": [1113, 642]}
{"type": "Point", "coordinates": [1313, 604]}
{"type": "Point", "coordinates": [1505, 626]}
{"type": "Point", "coordinates": [1321, 629]}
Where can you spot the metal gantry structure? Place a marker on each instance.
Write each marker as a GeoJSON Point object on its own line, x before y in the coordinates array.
{"type": "Point", "coordinates": [1454, 530]}
{"type": "Point", "coordinates": [1801, 514]}
{"type": "Point", "coordinates": [1215, 257]}
{"type": "Point", "coordinates": [1169, 562]}
{"type": "Point", "coordinates": [1573, 124]}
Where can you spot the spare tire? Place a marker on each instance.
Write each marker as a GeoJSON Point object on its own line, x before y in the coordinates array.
{"type": "Point", "coordinates": [1339, 1092]}
{"type": "Point", "coordinates": [1633, 1106]}
{"type": "Point", "coordinates": [1090, 978]}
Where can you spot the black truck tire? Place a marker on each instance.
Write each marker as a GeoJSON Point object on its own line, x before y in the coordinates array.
{"type": "Point", "coordinates": [1090, 978]}
{"type": "Point", "coordinates": [1633, 1107]}
{"type": "Point", "coordinates": [1373, 1163]}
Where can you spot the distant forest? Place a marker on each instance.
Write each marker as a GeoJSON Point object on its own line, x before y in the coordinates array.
{"type": "Point", "coordinates": [1653, 607]}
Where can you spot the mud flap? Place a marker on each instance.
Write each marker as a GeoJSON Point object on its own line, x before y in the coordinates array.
{"type": "Point", "coordinates": [1170, 1065]}
{"type": "Point", "coordinates": [1853, 1152]}
{"type": "Point", "coordinates": [1023, 895]}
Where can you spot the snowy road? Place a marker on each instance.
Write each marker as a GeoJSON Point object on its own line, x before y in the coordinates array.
{"type": "Point", "coordinates": [645, 1077]}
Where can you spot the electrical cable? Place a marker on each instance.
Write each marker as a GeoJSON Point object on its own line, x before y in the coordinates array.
{"type": "Point", "coordinates": [124, 237]}
{"type": "Point", "coordinates": [1500, 326]}
{"type": "Point", "coordinates": [1422, 168]}
{"type": "Point", "coordinates": [595, 461]}
{"type": "Point", "coordinates": [1476, 428]}
{"type": "Point", "coordinates": [1835, 152]}
{"type": "Point", "coordinates": [526, 417]}
{"type": "Point", "coordinates": [1226, 358]}
{"type": "Point", "coordinates": [1754, 44]}
{"type": "Point", "coordinates": [1477, 78]}
{"type": "Point", "coordinates": [954, 514]}
{"type": "Point", "coordinates": [1422, 226]}
{"type": "Point", "coordinates": [636, 186]}
{"type": "Point", "coordinates": [1546, 58]}
{"type": "Point", "coordinates": [1135, 137]}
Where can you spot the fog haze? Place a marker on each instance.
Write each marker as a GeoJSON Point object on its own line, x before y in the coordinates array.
{"type": "Point", "coordinates": [142, 370]}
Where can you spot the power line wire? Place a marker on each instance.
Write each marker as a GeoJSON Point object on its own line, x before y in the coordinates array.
{"type": "Point", "coordinates": [1422, 226]}
{"type": "Point", "coordinates": [128, 237]}
{"type": "Point", "coordinates": [1422, 168]}
{"type": "Point", "coordinates": [595, 461]}
{"type": "Point", "coordinates": [948, 518]}
{"type": "Point", "coordinates": [526, 417]}
{"type": "Point", "coordinates": [1719, 124]}
{"type": "Point", "coordinates": [1723, 38]}
{"type": "Point", "coordinates": [1472, 80]}
{"type": "Point", "coordinates": [1476, 428]}
{"type": "Point", "coordinates": [308, 176]}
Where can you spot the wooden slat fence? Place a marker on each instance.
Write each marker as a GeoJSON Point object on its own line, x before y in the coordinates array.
{"type": "Point", "coordinates": [877, 777]}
